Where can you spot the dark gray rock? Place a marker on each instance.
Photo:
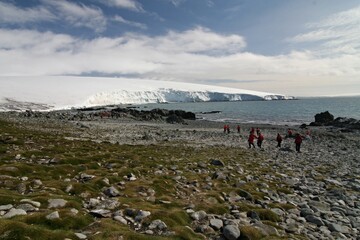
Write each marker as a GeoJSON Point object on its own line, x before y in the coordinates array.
{"type": "Point", "coordinates": [101, 213]}
{"type": "Point", "coordinates": [217, 162]}
{"type": "Point", "coordinates": [157, 224]}
{"type": "Point", "coordinates": [111, 192]}
{"type": "Point", "coordinates": [315, 220]}
{"type": "Point", "coordinates": [231, 232]}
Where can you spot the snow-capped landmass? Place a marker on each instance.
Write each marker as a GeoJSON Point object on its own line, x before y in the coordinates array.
{"type": "Point", "coordinates": [58, 92]}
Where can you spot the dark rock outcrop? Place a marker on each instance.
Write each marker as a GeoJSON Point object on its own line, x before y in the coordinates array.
{"type": "Point", "coordinates": [324, 118]}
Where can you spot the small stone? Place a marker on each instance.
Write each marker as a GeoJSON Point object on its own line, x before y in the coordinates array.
{"type": "Point", "coordinates": [69, 188]}
{"type": "Point", "coordinates": [141, 215]}
{"type": "Point", "coordinates": [74, 211]}
{"type": "Point", "coordinates": [315, 220]}
{"type": "Point", "coordinates": [56, 203]}
{"type": "Point", "coordinates": [80, 236]}
{"type": "Point", "coordinates": [27, 207]}
{"type": "Point", "coordinates": [21, 188]}
{"type": "Point", "coordinates": [14, 212]}
{"type": "Point", "coordinates": [149, 232]}
{"type": "Point", "coordinates": [157, 224]}
{"type": "Point", "coordinates": [37, 183]}
{"type": "Point", "coordinates": [6, 207]}
{"type": "Point", "coordinates": [216, 162]}
{"type": "Point", "coordinates": [111, 192]}
{"type": "Point", "coordinates": [34, 203]}
{"type": "Point", "coordinates": [216, 224]}
{"type": "Point", "coordinates": [106, 181]}
{"type": "Point", "coordinates": [199, 215]}
{"type": "Point", "coordinates": [101, 213]}
{"type": "Point", "coordinates": [53, 215]}
{"type": "Point", "coordinates": [120, 219]}
{"type": "Point", "coordinates": [334, 227]}
{"type": "Point", "coordinates": [24, 179]}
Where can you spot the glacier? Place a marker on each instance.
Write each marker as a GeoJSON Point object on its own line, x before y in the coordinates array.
{"type": "Point", "coordinates": [64, 92]}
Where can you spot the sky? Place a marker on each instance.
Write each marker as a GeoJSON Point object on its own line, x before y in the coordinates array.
{"type": "Point", "coordinates": [299, 48]}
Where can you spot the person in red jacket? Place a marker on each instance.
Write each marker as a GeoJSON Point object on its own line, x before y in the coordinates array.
{"type": "Point", "coordinates": [251, 139]}
{"type": "Point", "coordinates": [238, 128]}
{"type": "Point", "coordinates": [228, 129]}
{"type": "Point", "coordinates": [279, 140]}
{"type": "Point", "coordinates": [225, 128]}
{"type": "Point", "coordinates": [252, 130]}
{"type": "Point", "coordinates": [298, 141]}
{"type": "Point", "coordinates": [290, 133]}
{"type": "Point", "coordinates": [260, 139]}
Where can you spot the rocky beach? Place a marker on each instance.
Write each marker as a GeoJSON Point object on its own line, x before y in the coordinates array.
{"type": "Point", "coordinates": [125, 174]}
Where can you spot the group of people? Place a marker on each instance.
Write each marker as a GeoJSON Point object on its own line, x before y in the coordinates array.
{"type": "Point", "coordinates": [260, 137]}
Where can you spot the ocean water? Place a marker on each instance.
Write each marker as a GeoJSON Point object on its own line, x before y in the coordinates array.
{"type": "Point", "coordinates": [290, 112]}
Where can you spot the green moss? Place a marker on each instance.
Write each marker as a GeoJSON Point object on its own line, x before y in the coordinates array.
{"type": "Point", "coordinates": [250, 233]}
{"type": "Point", "coordinates": [10, 230]}
{"type": "Point", "coordinates": [266, 214]}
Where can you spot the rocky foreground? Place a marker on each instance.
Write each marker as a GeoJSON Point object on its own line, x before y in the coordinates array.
{"type": "Point", "coordinates": [63, 176]}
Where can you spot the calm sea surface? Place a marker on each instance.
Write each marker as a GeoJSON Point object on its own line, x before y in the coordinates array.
{"type": "Point", "coordinates": [289, 112]}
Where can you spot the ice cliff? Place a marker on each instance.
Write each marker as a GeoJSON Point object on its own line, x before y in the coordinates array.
{"type": "Point", "coordinates": [54, 92]}
{"type": "Point", "coordinates": [173, 95]}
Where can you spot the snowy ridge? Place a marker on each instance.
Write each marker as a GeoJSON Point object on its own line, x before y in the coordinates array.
{"type": "Point", "coordinates": [61, 92]}
{"type": "Point", "coordinates": [172, 95]}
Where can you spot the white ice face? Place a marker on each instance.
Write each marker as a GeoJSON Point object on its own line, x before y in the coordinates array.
{"type": "Point", "coordinates": [68, 91]}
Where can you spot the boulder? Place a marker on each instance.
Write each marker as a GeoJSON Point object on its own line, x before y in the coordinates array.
{"type": "Point", "coordinates": [324, 118]}
{"type": "Point", "coordinates": [231, 232]}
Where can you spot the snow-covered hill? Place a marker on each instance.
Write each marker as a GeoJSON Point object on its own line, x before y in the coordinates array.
{"type": "Point", "coordinates": [55, 92]}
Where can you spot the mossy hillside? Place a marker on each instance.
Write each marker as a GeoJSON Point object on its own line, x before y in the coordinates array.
{"type": "Point", "coordinates": [74, 157]}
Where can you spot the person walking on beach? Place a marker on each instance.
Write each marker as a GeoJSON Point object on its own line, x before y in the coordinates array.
{"type": "Point", "coordinates": [238, 128]}
{"type": "Point", "coordinates": [251, 139]}
{"type": "Point", "coordinates": [252, 130]}
{"type": "Point", "coordinates": [298, 141]}
{"type": "Point", "coordinates": [225, 128]}
{"type": "Point", "coordinates": [290, 133]}
{"type": "Point", "coordinates": [279, 140]}
{"type": "Point", "coordinates": [260, 139]}
{"type": "Point", "coordinates": [228, 129]}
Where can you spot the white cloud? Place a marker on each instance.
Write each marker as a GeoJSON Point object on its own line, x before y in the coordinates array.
{"type": "Point", "coordinates": [337, 34]}
{"type": "Point", "coordinates": [79, 15]}
{"type": "Point", "coordinates": [120, 19]}
{"type": "Point", "coordinates": [191, 56]}
{"type": "Point", "coordinates": [128, 4]}
{"type": "Point", "coordinates": [197, 40]}
{"type": "Point", "coordinates": [9, 13]}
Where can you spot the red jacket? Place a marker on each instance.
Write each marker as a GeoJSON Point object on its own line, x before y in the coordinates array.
{"type": "Point", "coordinates": [251, 138]}
{"type": "Point", "coordinates": [261, 137]}
{"type": "Point", "coordinates": [298, 139]}
{"type": "Point", "coordinates": [278, 138]}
